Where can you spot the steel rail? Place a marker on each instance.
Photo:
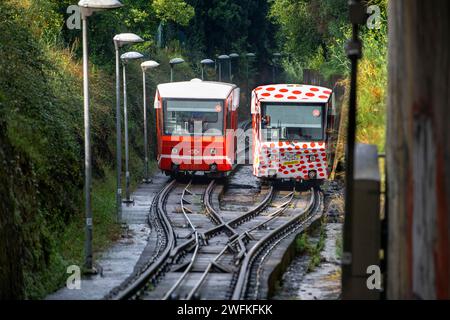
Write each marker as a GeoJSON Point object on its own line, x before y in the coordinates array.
{"type": "Point", "coordinates": [183, 208]}
{"type": "Point", "coordinates": [239, 239]}
{"type": "Point", "coordinates": [209, 207]}
{"type": "Point", "coordinates": [196, 247]}
{"type": "Point", "coordinates": [242, 281]}
{"type": "Point", "coordinates": [276, 242]}
{"type": "Point", "coordinates": [186, 271]}
{"type": "Point", "coordinates": [214, 216]}
{"type": "Point", "coordinates": [154, 269]}
{"type": "Point", "coordinates": [244, 217]}
{"type": "Point", "coordinates": [211, 211]}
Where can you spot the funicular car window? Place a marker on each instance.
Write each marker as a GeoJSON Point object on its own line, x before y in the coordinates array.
{"type": "Point", "coordinates": [303, 122]}
{"type": "Point", "coordinates": [193, 117]}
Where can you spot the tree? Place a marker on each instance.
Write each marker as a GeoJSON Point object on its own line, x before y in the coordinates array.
{"type": "Point", "coordinates": [176, 11]}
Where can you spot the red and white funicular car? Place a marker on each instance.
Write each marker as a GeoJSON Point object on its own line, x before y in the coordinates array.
{"type": "Point", "coordinates": [196, 121]}
{"type": "Point", "coordinates": [290, 124]}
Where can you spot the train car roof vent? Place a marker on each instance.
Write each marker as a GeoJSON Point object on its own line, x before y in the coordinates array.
{"type": "Point", "coordinates": [196, 80]}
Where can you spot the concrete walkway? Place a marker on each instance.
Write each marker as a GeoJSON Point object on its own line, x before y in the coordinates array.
{"type": "Point", "coordinates": [119, 261]}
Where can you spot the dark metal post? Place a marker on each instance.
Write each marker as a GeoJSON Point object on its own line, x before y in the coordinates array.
{"type": "Point", "coordinates": [118, 138]}
{"type": "Point", "coordinates": [249, 56]}
{"type": "Point", "coordinates": [125, 119]}
{"type": "Point", "coordinates": [354, 51]}
{"type": "Point", "coordinates": [273, 71]}
{"type": "Point", "coordinates": [87, 149]}
{"type": "Point", "coordinates": [144, 92]}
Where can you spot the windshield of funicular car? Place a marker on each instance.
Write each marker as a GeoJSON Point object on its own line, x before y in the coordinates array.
{"type": "Point", "coordinates": [288, 121]}
{"type": "Point", "coordinates": [193, 117]}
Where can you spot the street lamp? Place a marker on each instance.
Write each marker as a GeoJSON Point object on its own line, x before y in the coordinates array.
{"type": "Point", "coordinates": [173, 62]}
{"type": "Point", "coordinates": [145, 66]}
{"type": "Point", "coordinates": [204, 63]}
{"type": "Point", "coordinates": [125, 58]}
{"type": "Point", "coordinates": [88, 7]}
{"type": "Point", "coordinates": [119, 41]}
{"type": "Point", "coordinates": [276, 56]}
{"type": "Point", "coordinates": [221, 58]}
{"type": "Point", "coordinates": [249, 57]}
{"type": "Point", "coordinates": [232, 56]}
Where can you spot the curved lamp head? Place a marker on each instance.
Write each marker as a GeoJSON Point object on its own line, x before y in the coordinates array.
{"type": "Point", "coordinates": [90, 6]}
{"type": "Point", "coordinates": [277, 54]}
{"type": "Point", "coordinates": [223, 57]}
{"type": "Point", "coordinates": [250, 55]}
{"type": "Point", "coordinates": [132, 55]}
{"type": "Point", "coordinates": [176, 61]}
{"type": "Point", "coordinates": [100, 4]}
{"type": "Point", "coordinates": [149, 65]}
{"type": "Point", "coordinates": [207, 61]}
{"type": "Point", "coordinates": [233, 55]}
{"type": "Point", "coordinates": [126, 38]}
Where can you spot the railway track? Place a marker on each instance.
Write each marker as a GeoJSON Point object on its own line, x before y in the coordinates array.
{"type": "Point", "coordinates": [208, 253]}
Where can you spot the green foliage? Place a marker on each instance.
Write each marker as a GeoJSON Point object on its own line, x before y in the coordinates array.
{"type": "Point", "coordinates": [42, 142]}
{"type": "Point", "coordinates": [41, 115]}
{"type": "Point", "coordinates": [313, 33]}
{"type": "Point", "coordinates": [312, 250]}
{"type": "Point", "coordinates": [176, 11]}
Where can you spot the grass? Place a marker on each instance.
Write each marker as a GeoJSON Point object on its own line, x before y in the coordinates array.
{"type": "Point", "coordinates": [339, 247]}
{"type": "Point", "coordinates": [68, 247]}
{"type": "Point", "coordinates": [313, 250]}
{"type": "Point", "coordinates": [106, 229]}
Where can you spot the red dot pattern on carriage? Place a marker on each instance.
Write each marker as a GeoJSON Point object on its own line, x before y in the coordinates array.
{"type": "Point", "coordinates": [270, 157]}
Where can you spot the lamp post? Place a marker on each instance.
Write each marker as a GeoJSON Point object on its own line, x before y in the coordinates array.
{"type": "Point", "coordinates": [145, 66]}
{"type": "Point", "coordinates": [232, 56]}
{"type": "Point", "coordinates": [222, 58]}
{"type": "Point", "coordinates": [125, 58]}
{"type": "Point", "coordinates": [354, 52]}
{"type": "Point", "coordinates": [88, 7]}
{"type": "Point", "coordinates": [204, 63]}
{"type": "Point", "coordinates": [249, 57]}
{"type": "Point", "coordinates": [276, 56]}
{"type": "Point", "coordinates": [172, 63]}
{"type": "Point", "coordinates": [119, 41]}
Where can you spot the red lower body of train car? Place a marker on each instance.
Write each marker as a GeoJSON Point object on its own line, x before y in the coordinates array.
{"type": "Point", "coordinates": [188, 155]}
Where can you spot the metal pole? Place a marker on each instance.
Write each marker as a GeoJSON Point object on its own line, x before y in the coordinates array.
{"type": "Point", "coordinates": [118, 138]}
{"type": "Point", "coordinates": [354, 48]}
{"type": "Point", "coordinates": [230, 70]}
{"type": "Point", "coordinates": [248, 83]}
{"type": "Point", "coordinates": [349, 190]}
{"type": "Point", "coordinates": [171, 73]}
{"type": "Point", "coordinates": [87, 150]}
{"type": "Point", "coordinates": [273, 72]}
{"type": "Point", "coordinates": [203, 71]}
{"type": "Point", "coordinates": [220, 71]}
{"type": "Point", "coordinates": [146, 178]}
{"type": "Point", "coordinates": [125, 119]}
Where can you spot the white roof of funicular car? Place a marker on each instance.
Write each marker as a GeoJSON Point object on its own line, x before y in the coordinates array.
{"type": "Point", "coordinates": [292, 93]}
{"type": "Point", "coordinates": [196, 89]}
